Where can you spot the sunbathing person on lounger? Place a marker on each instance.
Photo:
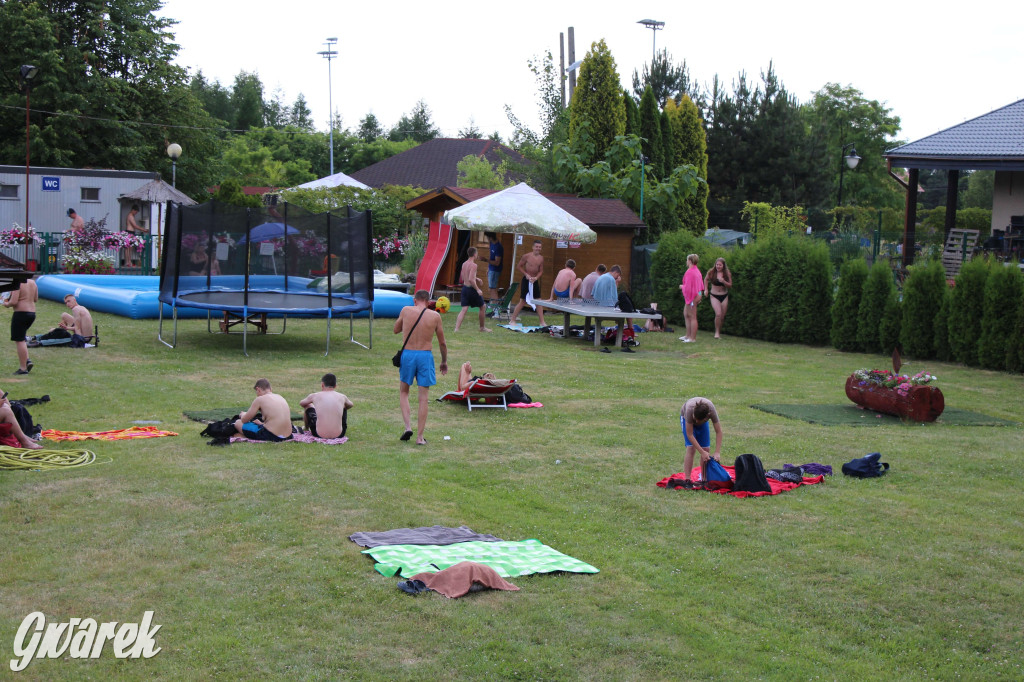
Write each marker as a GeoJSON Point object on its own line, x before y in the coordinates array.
{"type": "Point", "coordinates": [276, 424]}
{"type": "Point", "coordinates": [324, 414]}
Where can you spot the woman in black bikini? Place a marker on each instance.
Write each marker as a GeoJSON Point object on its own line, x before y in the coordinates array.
{"type": "Point", "coordinates": [717, 283]}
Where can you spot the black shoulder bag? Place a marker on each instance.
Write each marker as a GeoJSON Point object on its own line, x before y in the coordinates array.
{"type": "Point", "coordinates": [397, 360]}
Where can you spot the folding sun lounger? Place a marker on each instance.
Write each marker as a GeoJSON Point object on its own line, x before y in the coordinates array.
{"type": "Point", "coordinates": [483, 393]}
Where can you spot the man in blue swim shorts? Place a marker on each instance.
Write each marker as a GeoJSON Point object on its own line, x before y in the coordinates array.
{"type": "Point", "coordinates": [694, 418]}
{"type": "Point", "coordinates": [418, 324]}
{"type": "Point", "coordinates": [276, 424]}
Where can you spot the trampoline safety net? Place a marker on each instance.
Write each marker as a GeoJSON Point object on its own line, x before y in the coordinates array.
{"type": "Point", "coordinates": [270, 259]}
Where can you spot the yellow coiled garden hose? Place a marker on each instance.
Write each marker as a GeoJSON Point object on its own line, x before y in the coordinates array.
{"type": "Point", "coordinates": [43, 460]}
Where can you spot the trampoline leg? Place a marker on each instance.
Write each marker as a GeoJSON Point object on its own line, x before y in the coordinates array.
{"type": "Point", "coordinates": [328, 349]}
{"type": "Point", "coordinates": [351, 330]}
{"type": "Point", "coordinates": [160, 327]}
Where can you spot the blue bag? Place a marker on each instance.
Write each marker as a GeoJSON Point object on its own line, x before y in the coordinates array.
{"type": "Point", "coordinates": [866, 467]}
{"type": "Point", "coordinates": [715, 476]}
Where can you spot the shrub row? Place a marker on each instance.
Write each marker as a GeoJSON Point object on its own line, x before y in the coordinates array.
{"type": "Point", "coordinates": [781, 286]}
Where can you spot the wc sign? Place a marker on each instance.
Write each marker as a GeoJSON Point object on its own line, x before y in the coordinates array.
{"type": "Point", "coordinates": [51, 184]}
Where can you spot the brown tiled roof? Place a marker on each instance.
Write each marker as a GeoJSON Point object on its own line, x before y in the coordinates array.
{"type": "Point", "coordinates": [433, 163]}
{"type": "Point", "coordinates": [593, 212]}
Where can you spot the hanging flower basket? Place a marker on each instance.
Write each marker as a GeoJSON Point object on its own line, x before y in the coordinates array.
{"type": "Point", "coordinates": [918, 402]}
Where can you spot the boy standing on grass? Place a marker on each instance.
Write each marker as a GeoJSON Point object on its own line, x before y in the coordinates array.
{"type": "Point", "coordinates": [693, 418]}
{"type": "Point", "coordinates": [472, 296]}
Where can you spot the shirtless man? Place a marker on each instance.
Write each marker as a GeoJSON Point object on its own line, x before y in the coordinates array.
{"type": "Point", "coordinates": [77, 224]}
{"type": "Point", "coordinates": [79, 320]}
{"type": "Point", "coordinates": [276, 424]}
{"type": "Point", "coordinates": [532, 267]}
{"type": "Point", "coordinates": [132, 226]}
{"type": "Point", "coordinates": [23, 300]}
{"type": "Point", "coordinates": [472, 295]}
{"type": "Point", "coordinates": [418, 358]}
{"type": "Point", "coordinates": [325, 411]}
{"type": "Point", "coordinates": [9, 426]}
{"type": "Point", "coordinates": [587, 288]}
{"type": "Point", "coordinates": [567, 284]}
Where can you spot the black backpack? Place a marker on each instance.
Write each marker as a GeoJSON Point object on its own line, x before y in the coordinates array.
{"type": "Point", "coordinates": [750, 475]}
{"type": "Point", "coordinates": [866, 467]}
{"type": "Point", "coordinates": [516, 394]}
{"type": "Point", "coordinates": [626, 303]}
{"type": "Point", "coordinates": [25, 419]}
{"type": "Point", "coordinates": [220, 431]}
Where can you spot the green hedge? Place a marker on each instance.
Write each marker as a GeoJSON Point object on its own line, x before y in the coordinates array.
{"type": "Point", "coordinates": [967, 303]}
{"type": "Point", "coordinates": [667, 267]}
{"type": "Point", "coordinates": [879, 290]}
{"type": "Point", "coordinates": [923, 293]}
{"type": "Point", "coordinates": [1003, 292]}
{"type": "Point", "coordinates": [846, 309]}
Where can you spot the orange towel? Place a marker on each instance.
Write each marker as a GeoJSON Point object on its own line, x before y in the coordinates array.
{"type": "Point", "coordinates": [117, 434]}
{"type": "Point", "coordinates": [456, 581]}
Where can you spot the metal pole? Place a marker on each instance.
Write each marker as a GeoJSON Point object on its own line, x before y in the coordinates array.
{"type": "Point", "coordinates": [330, 112]}
{"type": "Point", "coordinates": [27, 157]}
{"type": "Point", "coordinates": [642, 187]}
{"type": "Point", "coordinates": [174, 173]}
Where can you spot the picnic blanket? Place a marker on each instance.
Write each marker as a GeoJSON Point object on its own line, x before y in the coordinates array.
{"type": "Point", "coordinates": [458, 580]}
{"type": "Point", "coordinates": [117, 434]}
{"type": "Point", "coordinates": [509, 559]}
{"type": "Point", "coordinates": [424, 535]}
{"type": "Point", "coordinates": [296, 438]}
{"type": "Point", "coordinates": [776, 486]}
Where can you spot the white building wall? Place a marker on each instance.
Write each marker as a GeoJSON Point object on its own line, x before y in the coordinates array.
{"type": "Point", "coordinates": [1007, 198]}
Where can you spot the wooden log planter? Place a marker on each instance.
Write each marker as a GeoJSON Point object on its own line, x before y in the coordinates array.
{"type": "Point", "coordinates": [920, 404]}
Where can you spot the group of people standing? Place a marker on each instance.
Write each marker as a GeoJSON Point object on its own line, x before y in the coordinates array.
{"type": "Point", "coordinates": [716, 284]}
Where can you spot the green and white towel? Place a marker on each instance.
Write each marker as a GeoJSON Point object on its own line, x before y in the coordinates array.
{"type": "Point", "coordinates": [509, 559]}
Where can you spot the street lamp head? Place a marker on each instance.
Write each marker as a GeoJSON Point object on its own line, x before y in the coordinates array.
{"type": "Point", "coordinates": [174, 151]}
{"type": "Point", "coordinates": [852, 159]}
{"type": "Point", "coordinates": [652, 24]}
{"type": "Point", "coordinates": [28, 73]}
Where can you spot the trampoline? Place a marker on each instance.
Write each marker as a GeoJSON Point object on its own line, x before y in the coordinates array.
{"type": "Point", "coordinates": [249, 265]}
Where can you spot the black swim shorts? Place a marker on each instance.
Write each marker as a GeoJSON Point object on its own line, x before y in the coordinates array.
{"type": "Point", "coordinates": [20, 322]}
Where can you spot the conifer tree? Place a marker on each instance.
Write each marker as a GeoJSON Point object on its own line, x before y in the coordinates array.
{"type": "Point", "coordinates": [598, 101]}
{"type": "Point", "coordinates": [650, 132]}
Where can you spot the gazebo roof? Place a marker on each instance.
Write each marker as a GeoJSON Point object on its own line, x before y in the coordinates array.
{"type": "Point", "coordinates": [994, 141]}
{"type": "Point", "coordinates": [158, 192]}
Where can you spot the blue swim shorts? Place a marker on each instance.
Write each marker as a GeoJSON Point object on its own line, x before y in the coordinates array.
{"type": "Point", "coordinates": [418, 365]}
{"type": "Point", "coordinates": [702, 432]}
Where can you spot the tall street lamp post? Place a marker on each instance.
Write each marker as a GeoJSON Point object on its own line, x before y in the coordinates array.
{"type": "Point", "coordinates": [330, 54]}
{"type": "Point", "coordinates": [851, 160]}
{"type": "Point", "coordinates": [174, 151]}
{"type": "Point", "coordinates": [28, 74]}
{"type": "Point", "coordinates": [655, 26]}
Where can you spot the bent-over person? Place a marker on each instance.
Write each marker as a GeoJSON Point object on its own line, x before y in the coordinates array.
{"type": "Point", "coordinates": [276, 422]}
{"type": "Point", "coordinates": [324, 412]}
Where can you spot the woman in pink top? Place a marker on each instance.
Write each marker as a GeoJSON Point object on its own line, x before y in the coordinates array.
{"type": "Point", "coordinates": [692, 288]}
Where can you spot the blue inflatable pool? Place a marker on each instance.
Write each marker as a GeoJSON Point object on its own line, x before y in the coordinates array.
{"type": "Point", "coordinates": [137, 297]}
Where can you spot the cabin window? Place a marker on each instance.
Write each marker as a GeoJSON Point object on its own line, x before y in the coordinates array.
{"type": "Point", "coordinates": [90, 194]}
{"type": "Point", "coordinates": [9, 191]}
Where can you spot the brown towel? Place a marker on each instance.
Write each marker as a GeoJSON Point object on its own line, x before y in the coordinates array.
{"type": "Point", "coordinates": [456, 581]}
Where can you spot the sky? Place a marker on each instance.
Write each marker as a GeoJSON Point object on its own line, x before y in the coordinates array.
{"type": "Point", "coordinates": [934, 64]}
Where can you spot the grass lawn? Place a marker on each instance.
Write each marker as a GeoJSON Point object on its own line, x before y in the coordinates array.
{"type": "Point", "coordinates": [243, 552]}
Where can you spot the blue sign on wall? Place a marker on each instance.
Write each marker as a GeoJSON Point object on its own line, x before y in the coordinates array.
{"type": "Point", "coordinates": [51, 184]}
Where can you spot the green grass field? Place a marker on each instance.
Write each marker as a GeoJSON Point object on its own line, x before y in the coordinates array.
{"type": "Point", "coordinates": [243, 552]}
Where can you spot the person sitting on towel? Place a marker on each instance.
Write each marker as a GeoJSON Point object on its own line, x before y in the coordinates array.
{"type": "Point", "coordinates": [78, 321]}
{"type": "Point", "coordinates": [325, 410]}
{"type": "Point", "coordinates": [693, 418]}
{"type": "Point", "coordinates": [11, 434]}
{"type": "Point", "coordinates": [276, 424]}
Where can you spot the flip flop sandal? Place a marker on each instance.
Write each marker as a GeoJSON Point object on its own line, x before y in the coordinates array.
{"type": "Point", "coordinates": [405, 436]}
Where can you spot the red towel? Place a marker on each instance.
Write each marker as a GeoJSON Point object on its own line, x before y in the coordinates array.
{"type": "Point", "coordinates": [776, 486]}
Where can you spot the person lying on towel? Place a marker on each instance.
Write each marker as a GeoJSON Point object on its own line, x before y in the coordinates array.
{"type": "Point", "coordinates": [276, 424]}
{"type": "Point", "coordinates": [325, 411]}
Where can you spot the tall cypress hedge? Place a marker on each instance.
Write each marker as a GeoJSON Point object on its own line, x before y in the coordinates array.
{"type": "Point", "coordinates": [923, 293]}
{"type": "Point", "coordinates": [967, 303]}
{"type": "Point", "coordinates": [1003, 292]}
{"type": "Point", "coordinates": [879, 289]}
{"type": "Point", "coordinates": [890, 324]}
{"type": "Point", "coordinates": [846, 309]}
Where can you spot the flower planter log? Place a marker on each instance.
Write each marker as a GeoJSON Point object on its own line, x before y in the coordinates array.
{"type": "Point", "coordinates": [920, 404]}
